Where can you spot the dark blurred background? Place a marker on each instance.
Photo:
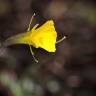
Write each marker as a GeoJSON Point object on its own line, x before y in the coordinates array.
{"type": "Point", "coordinates": [71, 70]}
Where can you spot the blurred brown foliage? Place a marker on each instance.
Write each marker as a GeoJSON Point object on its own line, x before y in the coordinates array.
{"type": "Point", "coordinates": [71, 71]}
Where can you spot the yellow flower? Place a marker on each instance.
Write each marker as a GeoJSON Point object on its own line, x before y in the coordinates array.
{"type": "Point", "coordinates": [43, 37]}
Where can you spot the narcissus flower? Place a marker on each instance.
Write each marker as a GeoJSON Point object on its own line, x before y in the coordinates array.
{"type": "Point", "coordinates": [39, 37]}
{"type": "Point", "coordinates": [43, 37]}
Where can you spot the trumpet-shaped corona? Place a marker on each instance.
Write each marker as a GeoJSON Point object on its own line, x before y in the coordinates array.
{"type": "Point", "coordinates": [45, 37]}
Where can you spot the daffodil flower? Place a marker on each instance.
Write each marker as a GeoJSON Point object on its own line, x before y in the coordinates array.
{"type": "Point", "coordinates": [39, 37]}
